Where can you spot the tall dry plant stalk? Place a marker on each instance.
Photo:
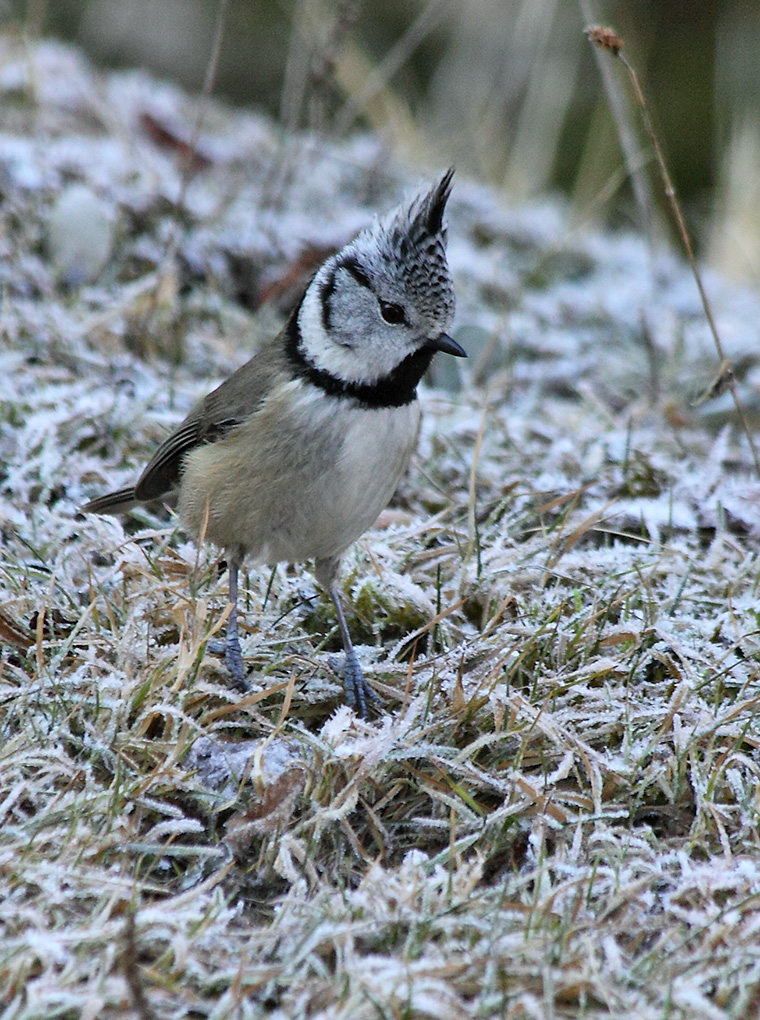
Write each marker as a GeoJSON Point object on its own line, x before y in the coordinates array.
{"type": "Point", "coordinates": [608, 41]}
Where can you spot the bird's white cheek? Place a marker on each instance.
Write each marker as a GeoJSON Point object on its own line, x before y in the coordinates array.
{"type": "Point", "coordinates": [317, 345]}
{"type": "Point", "coordinates": [371, 355]}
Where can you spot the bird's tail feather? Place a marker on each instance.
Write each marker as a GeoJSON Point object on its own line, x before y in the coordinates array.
{"type": "Point", "coordinates": [112, 503]}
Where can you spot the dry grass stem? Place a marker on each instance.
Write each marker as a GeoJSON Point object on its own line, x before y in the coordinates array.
{"type": "Point", "coordinates": [606, 39]}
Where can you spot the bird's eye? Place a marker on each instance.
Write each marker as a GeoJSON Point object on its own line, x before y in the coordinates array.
{"type": "Point", "coordinates": [392, 313]}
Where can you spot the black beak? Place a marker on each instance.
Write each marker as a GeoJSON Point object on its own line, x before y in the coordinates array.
{"type": "Point", "coordinates": [446, 345]}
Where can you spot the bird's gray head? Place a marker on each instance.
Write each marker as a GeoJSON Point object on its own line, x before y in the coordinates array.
{"type": "Point", "coordinates": [385, 298]}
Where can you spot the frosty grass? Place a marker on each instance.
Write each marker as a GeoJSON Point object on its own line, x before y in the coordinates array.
{"type": "Point", "coordinates": [555, 814]}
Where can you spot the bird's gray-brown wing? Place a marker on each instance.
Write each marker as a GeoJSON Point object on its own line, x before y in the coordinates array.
{"type": "Point", "coordinates": [231, 403]}
{"type": "Point", "coordinates": [234, 401]}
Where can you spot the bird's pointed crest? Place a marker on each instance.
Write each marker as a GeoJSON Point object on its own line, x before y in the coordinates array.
{"type": "Point", "coordinates": [426, 213]}
{"type": "Point", "coordinates": [422, 220]}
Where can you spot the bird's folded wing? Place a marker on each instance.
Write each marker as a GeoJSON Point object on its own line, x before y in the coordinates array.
{"type": "Point", "coordinates": [235, 401]}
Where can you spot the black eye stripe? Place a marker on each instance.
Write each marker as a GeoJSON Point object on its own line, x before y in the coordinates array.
{"type": "Point", "coordinates": [391, 312]}
{"type": "Point", "coordinates": [325, 293]}
{"type": "Point", "coordinates": [352, 266]}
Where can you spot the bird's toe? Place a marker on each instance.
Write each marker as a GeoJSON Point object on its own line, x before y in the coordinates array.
{"type": "Point", "coordinates": [358, 694]}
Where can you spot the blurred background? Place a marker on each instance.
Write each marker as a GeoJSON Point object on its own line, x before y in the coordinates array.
{"type": "Point", "coordinates": [508, 90]}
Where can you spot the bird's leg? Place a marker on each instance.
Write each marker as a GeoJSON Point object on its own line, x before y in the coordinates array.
{"type": "Point", "coordinates": [232, 654]}
{"type": "Point", "coordinates": [358, 692]}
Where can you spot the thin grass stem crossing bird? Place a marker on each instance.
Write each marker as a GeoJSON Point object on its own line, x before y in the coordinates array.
{"type": "Point", "coordinates": [294, 456]}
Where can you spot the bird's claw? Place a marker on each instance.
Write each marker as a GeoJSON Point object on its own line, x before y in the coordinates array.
{"type": "Point", "coordinates": [358, 693]}
{"type": "Point", "coordinates": [233, 658]}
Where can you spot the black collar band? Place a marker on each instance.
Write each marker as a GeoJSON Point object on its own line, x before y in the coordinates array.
{"type": "Point", "coordinates": [393, 390]}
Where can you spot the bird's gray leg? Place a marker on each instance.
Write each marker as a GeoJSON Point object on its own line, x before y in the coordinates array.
{"type": "Point", "coordinates": [232, 654]}
{"type": "Point", "coordinates": [357, 690]}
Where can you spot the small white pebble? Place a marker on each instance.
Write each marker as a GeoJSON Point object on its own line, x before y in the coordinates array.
{"type": "Point", "coordinates": [80, 235]}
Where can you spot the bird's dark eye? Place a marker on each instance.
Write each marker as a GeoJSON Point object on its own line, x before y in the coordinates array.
{"type": "Point", "coordinates": [392, 313]}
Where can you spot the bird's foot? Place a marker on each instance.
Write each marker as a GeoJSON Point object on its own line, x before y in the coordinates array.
{"type": "Point", "coordinates": [358, 693]}
{"type": "Point", "coordinates": [233, 658]}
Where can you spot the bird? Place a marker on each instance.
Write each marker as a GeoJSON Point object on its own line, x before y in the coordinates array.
{"type": "Point", "coordinates": [294, 456]}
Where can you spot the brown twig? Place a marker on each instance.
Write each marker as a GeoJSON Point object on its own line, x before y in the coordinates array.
{"type": "Point", "coordinates": [607, 39]}
{"type": "Point", "coordinates": [316, 41]}
{"type": "Point", "coordinates": [132, 973]}
{"type": "Point", "coordinates": [426, 22]}
{"type": "Point", "coordinates": [189, 151]}
{"type": "Point", "coordinates": [322, 75]}
{"type": "Point", "coordinates": [191, 167]}
{"type": "Point", "coordinates": [628, 136]}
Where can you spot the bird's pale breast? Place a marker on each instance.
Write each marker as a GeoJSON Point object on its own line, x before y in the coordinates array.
{"type": "Point", "coordinates": [302, 479]}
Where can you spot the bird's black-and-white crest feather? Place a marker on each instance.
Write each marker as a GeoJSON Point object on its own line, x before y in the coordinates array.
{"type": "Point", "coordinates": [424, 217]}
{"type": "Point", "coordinates": [413, 240]}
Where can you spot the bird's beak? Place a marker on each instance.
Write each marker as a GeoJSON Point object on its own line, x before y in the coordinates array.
{"type": "Point", "coordinates": [446, 345]}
